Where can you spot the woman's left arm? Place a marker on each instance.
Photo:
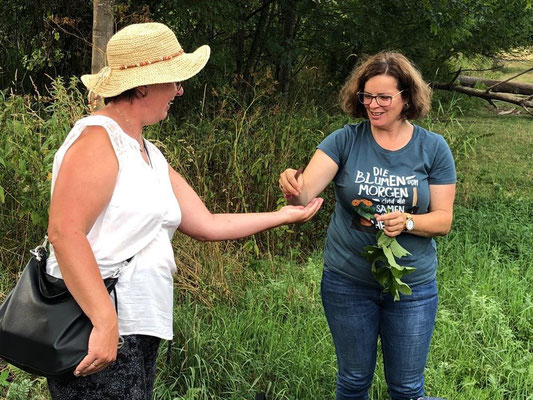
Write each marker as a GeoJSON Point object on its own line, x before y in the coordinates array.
{"type": "Point", "coordinates": [198, 222]}
{"type": "Point", "coordinates": [437, 222]}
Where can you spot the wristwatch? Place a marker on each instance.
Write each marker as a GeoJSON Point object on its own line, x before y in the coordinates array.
{"type": "Point", "coordinates": [409, 222]}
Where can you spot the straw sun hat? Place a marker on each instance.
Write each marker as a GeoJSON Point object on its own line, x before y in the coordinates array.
{"type": "Point", "coordinates": [144, 54]}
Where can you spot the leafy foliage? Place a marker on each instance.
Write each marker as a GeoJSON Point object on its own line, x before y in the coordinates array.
{"type": "Point", "coordinates": [32, 129]}
{"type": "Point", "coordinates": [386, 270]}
{"type": "Point", "coordinates": [288, 39]}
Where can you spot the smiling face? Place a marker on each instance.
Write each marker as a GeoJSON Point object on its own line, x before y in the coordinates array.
{"type": "Point", "coordinates": [384, 117]}
{"type": "Point", "coordinates": [159, 98]}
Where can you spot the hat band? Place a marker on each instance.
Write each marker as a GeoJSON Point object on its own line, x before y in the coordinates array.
{"type": "Point", "coordinates": [143, 63]}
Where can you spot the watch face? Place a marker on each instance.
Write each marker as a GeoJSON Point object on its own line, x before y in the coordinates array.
{"type": "Point", "coordinates": [410, 224]}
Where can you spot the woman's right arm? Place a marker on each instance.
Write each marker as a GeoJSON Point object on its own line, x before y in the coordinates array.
{"type": "Point", "coordinates": [317, 175]}
{"type": "Point", "coordinates": [83, 187]}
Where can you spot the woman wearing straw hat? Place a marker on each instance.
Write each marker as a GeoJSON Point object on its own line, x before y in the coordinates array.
{"type": "Point", "coordinates": [115, 206]}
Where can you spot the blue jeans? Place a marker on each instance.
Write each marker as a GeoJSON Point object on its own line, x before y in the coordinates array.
{"type": "Point", "coordinates": [358, 314]}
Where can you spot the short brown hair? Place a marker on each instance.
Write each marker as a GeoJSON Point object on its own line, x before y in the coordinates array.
{"type": "Point", "coordinates": [128, 95]}
{"type": "Point", "coordinates": [415, 91]}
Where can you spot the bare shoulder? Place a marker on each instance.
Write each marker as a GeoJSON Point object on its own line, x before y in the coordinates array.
{"type": "Point", "coordinates": [94, 135]}
{"type": "Point", "coordinates": [94, 146]}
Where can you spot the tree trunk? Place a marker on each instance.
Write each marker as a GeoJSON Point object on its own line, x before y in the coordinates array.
{"type": "Point", "coordinates": [289, 19]}
{"type": "Point", "coordinates": [257, 42]}
{"type": "Point", "coordinates": [505, 87]}
{"type": "Point", "coordinates": [103, 26]}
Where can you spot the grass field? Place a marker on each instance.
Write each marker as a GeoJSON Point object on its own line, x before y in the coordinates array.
{"type": "Point", "coordinates": [514, 65]}
{"type": "Point", "coordinates": [270, 334]}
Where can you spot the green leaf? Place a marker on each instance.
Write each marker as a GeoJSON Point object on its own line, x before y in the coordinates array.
{"type": "Point", "coordinates": [398, 250]}
{"type": "Point", "coordinates": [372, 253]}
{"type": "Point", "coordinates": [383, 240]}
{"type": "Point", "coordinates": [408, 270]}
{"type": "Point", "coordinates": [397, 273]}
{"type": "Point", "coordinates": [365, 211]}
{"type": "Point", "coordinates": [3, 378]}
{"type": "Point", "coordinates": [35, 218]}
{"type": "Point", "coordinates": [383, 277]}
{"type": "Point", "coordinates": [394, 291]}
{"type": "Point", "coordinates": [390, 257]}
{"type": "Point", "coordinates": [2, 195]}
{"type": "Point", "coordinates": [402, 286]}
{"type": "Point", "coordinates": [389, 273]}
{"type": "Point", "coordinates": [17, 127]}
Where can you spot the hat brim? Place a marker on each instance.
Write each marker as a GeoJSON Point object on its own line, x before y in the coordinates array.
{"type": "Point", "coordinates": [177, 69]}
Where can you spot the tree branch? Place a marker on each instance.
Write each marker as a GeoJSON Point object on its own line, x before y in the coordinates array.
{"type": "Point", "coordinates": [49, 20]}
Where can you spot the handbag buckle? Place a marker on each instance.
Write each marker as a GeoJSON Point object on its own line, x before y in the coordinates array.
{"type": "Point", "coordinates": [119, 269]}
{"type": "Point", "coordinates": [39, 251]}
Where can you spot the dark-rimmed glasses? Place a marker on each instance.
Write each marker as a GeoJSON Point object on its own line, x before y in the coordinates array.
{"type": "Point", "coordinates": [383, 100]}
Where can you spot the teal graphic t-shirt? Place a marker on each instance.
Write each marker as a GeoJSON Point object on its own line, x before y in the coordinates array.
{"type": "Point", "coordinates": [372, 180]}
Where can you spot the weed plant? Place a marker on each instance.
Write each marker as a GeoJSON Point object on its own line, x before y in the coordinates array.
{"type": "Point", "coordinates": [31, 130]}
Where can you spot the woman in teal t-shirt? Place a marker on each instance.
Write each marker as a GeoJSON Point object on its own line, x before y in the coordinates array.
{"type": "Point", "coordinates": [393, 176]}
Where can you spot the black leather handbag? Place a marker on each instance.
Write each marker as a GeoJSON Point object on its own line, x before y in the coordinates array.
{"type": "Point", "coordinates": [43, 330]}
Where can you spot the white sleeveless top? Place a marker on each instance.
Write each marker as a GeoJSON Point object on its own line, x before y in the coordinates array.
{"type": "Point", "coordinates": [138, 222]}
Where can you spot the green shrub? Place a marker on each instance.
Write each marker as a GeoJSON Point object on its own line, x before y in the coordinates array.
{"type": "Point", "coordinates": [32, 129]}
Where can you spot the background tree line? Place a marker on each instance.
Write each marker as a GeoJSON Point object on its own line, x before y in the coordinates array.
{"type": "Point", "coordinates": [231, 135]}
{"type": "Point", "coordinates": [280, 38]}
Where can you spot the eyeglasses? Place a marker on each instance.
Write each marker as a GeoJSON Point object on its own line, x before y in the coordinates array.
{"type": "Point", "coordinates": [383, 100]}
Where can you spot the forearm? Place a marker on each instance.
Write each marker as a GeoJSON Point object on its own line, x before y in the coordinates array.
{"type": "Point", "coordinates": [236, 226]}
{"type": "Point", "coordinates": [434, 223]}
{"type": "Point", "coordinates": [82, 276]}
{"type": "Point", "coordinates": [302, 200]}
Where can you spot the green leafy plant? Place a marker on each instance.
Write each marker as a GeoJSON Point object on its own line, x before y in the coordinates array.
{"type": "Point", "coordinates": [3, 378]}
{"type": "Point", "coordinates": [386, 270]}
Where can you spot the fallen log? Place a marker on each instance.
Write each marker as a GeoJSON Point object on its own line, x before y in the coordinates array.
{"type": "Point", "coordinates": [525, 102]}
{"type": "Point", "coordinates": [498, 86]}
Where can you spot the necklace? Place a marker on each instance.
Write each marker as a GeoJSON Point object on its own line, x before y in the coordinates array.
{"type": "Point", "coordinates": [128, 125]}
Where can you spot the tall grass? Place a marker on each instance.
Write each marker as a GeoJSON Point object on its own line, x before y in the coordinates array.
{"type": "Point", "coordinates": [231, 150]}
{"type": "Point", "coordinates": [275, 337]}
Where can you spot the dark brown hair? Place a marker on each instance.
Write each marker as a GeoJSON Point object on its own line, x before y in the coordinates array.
{"type": "Point", "coordinates": [128, 95]}
{"type": "Point", "coordinates": [415, 91]}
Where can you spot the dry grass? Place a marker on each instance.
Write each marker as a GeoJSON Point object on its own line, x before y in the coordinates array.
{"type": "Point", "coordinates": [515, 63]}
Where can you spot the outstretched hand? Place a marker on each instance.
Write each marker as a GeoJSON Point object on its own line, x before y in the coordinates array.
{"type": "Point", "coordinates": [299, 214]}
